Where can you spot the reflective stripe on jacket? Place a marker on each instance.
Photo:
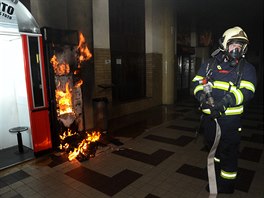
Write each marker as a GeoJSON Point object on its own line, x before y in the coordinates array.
{"type": "Point", "coordinates": [229, 111]}
{"type": "Point", "coordinates": [223, 82]}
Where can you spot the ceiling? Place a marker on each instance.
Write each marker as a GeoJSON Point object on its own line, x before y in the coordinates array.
{"type": "Point", "coordinates": [218, 15]}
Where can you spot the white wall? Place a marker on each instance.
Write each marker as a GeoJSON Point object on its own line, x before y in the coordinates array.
{"type": "Point", "coordinates": [154, 26]}
{"type": "Point", "coordinates": [101, 24]}
{"type": "Point", "coordinates": [13, 99]}
{"type": "Point", "coordinates": [160, 38]}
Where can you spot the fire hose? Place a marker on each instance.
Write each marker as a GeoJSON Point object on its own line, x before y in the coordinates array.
{"type": "Point", "coordinates": [210, 162]}
{"type": "Point", "coordinates": [207, 87]}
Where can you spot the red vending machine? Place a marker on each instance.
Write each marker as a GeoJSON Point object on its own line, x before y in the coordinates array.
{"type": "Point", "coordinates": [23, 100]}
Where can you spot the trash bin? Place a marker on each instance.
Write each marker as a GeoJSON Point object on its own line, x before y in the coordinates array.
{"type": "Point", "coordinates": [100, 113]}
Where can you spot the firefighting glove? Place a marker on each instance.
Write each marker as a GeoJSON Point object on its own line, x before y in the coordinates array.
{"type": "Point", "coordinates": [220, 107]}
{"type": "Point", "coordinates": [205, 105]}
{"type": "Point", "coordinates": [226, 102]}
{"type": "Point", "coordinates": [215, 113]}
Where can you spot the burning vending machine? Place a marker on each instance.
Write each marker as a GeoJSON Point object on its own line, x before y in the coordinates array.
{"type": "Point", "coordinates": [66, 52]}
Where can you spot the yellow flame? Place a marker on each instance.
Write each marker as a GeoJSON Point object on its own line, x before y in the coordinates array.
{"type": "Point", "coordinates": [85, 54]}
{"type": "Point", "coordinates": [84, 145]}
{"type": "Point", "coordinates": [64, 97]}
{"type": "Point", "coordinates": [59, 68]}
{"type": "Point", "coordinates": [67, 134]}
{"type": "Point", "coordinates": [64, 100]}
{"type": "Point", "coordinates": [79, 83]}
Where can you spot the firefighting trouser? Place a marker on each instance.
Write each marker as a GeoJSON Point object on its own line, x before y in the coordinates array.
{"type": "Point", "coordinates": [226, 156]}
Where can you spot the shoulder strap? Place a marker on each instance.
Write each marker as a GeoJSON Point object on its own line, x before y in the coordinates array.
{"type": "Point", "coordinates": [209, 67]}
{"type": "Point", "coordinates": [240, 72]}
{"type": "Point", "coordinates": [211, 62]}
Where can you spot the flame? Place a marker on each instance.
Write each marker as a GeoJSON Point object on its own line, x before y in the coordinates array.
{"type": "Point", "coordinates": [79, 83]}
{"type": "Point", "coordinates": [59, 68]}
{"type": "Point", "coordinates": [64, 100]}
{"type": "Point", "coordinates": [65, 146]}
{"type": "Point", "coordinates": [85, 54]}
{"type": "Point", "coordinates": [65, 76]}
{"type": "Point", "coordinates": [84, 145]}
{"type": "Point", "coordinates": [67, 134]}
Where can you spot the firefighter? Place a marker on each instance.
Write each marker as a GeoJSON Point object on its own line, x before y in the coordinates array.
{"type": "Point", "coordinates": [232, 81]}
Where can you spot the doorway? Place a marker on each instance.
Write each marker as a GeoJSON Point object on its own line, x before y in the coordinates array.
{"type": "Point", "coordinates": [184, 76]}
{"type": "Point", "coordinates": [127, 43]}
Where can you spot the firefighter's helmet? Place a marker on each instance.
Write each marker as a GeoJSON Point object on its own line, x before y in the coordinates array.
{"type": "Point", "coordinates": [235, 34]}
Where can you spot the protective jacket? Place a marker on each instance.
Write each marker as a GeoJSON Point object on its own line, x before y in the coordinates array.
{"type": "Point", "coordinates": [239, 82]}
{"type": "Point", "coordinates": [226, 78]}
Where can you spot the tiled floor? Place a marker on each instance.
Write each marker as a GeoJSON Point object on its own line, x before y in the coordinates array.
{"type": "Point", "coordinates": [149, 154]}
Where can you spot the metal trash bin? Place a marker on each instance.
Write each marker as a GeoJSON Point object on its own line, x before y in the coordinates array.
{"type": "Point", "coordinates": [100, 113]}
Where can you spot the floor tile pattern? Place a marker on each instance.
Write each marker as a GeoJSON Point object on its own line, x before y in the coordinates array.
{"type": "Point", "coordinates": [13, 178]}
{"type": "Point", "coordinates": [153, 159]}
{"type": "Point", "coordinates": [180, 141]}
{"type": "Point", "coordinates": [245, 176]}
{"type": "Point", "coordinates": [159, 158]}
{"type": "Point", "coordinates": [107, 185]}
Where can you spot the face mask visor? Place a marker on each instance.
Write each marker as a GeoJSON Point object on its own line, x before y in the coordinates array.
{"type": "Point", "coordinates": [235, 52]}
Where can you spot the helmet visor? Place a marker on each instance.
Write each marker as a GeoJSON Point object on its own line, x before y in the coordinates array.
{"type": "Point", "coordinates": [235, 45]}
